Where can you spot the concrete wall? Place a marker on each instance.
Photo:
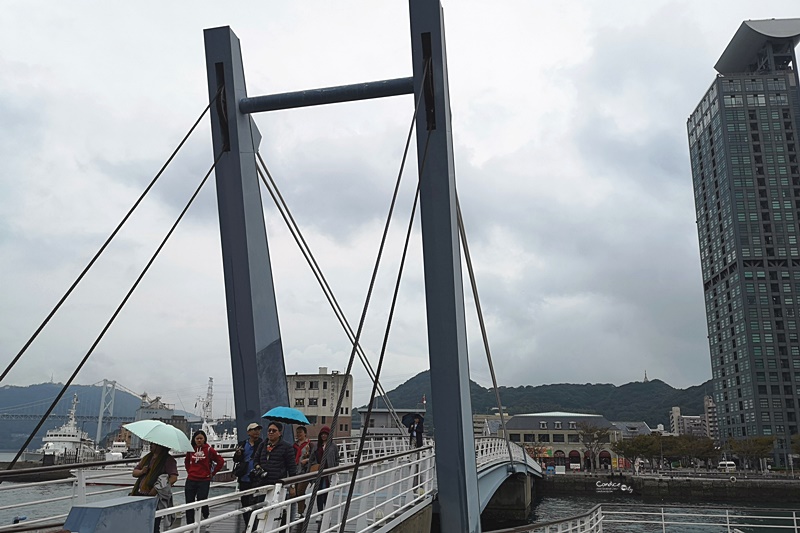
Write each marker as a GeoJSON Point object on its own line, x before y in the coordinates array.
{"type": "Point", "coordinates": [511, 501]}
{"type": "Point", "coordinates": [697, 489]}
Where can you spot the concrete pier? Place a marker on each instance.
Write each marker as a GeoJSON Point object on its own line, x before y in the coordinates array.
{"type": "Point", "coordinates": [512, 501]}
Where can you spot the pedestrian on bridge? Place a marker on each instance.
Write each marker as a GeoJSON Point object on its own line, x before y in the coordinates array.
{"type": "Point", "coordinates": [324, 458]}
{"type": "Point", "coordinates": [243, 458]}
{"type": "Point", "coordinates": [201, 466]}
{"type": "Point", "coordinates": [415, 431]}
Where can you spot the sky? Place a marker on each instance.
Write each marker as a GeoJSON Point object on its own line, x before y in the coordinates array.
{"type": "Point", "coordinates": [569, 129]}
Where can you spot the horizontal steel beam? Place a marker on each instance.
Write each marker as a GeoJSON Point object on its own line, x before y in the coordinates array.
{"type": "Point", "coordinates": [327, 95]}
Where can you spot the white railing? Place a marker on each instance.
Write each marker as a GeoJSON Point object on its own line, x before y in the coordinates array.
{"type": "Point", "coordinates": [387, 488]}
{"type": "Point", "coordinates": [647, 518]}
{"type": "Point", "coordinates": [393, 480]}
{"type": "Point", "coordinates": [489, 450]}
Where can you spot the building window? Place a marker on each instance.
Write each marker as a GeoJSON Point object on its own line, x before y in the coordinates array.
{"type": "Point", "coordinates": [544, 437]}
{"type": "Point", "coordinates": [529, 437]}
{"type": "Point", "coordinates": [347, 393]}
{"type": "Point", "coordinates": [313, 385]}
{"type": "Point", "coordinates": [558, 425]}
{"type": "Point", "coordinates": [299, 402]}
{"type": "Point", "coordinates": [324, 402]}
{"type": "Point", "coordinates": [324, 385]}
{"type": "Point", "coordinates": [573, 425]}
{"type": "Point", "coordinates": [542, 425]}
{"type": "Point", "coordinates": [573, 438]}
{"type": "Point", "coordinates": [300, 385]}
{"type": "Point", "coordinates": [312, 402]}
{"type": "Point", "coordinates": [558, 438]}
{"type": "Point", "coordinates": [324, 419]}
{"type": "Point", "coordinates": [514, 437]}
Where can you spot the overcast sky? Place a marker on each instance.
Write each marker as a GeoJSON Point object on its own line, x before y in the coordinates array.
{"type": "Point", "coordinates": [571, 162]}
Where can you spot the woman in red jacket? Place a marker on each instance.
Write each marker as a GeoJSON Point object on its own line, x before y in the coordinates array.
{"type": "Point", "coordinates": [201, 465]}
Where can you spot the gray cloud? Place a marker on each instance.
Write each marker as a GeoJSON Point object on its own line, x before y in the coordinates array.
{"type": "Point", "coordinates": [571, 160]}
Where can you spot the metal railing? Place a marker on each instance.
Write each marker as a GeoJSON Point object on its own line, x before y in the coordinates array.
{"type": "Point", "coordinates": [387, 489]}
{"type": "Point", "coordinates": [489, 450]}
{"type": "Point", "coordinates": [393, 479]}
{"type": "Point", "coordinates": [652, 518]}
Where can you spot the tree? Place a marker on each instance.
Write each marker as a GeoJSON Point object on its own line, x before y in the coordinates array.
{"type": "Point", "coordinates": [631, 449]}
{"type": "Point", "coordinates": [536, 450]}
{"type": "Point", "coordinates": [751, 449]}
{"type": "Point", "coordinates": [593, 438]}
{"type": "Point", "coordinates": [796, 443]}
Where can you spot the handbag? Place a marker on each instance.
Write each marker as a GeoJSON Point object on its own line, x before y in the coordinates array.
{"type": "Point", "coordinates": [240, 469]}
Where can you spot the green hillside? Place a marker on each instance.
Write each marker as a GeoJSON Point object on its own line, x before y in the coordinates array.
{"type": "Point", "coordinates": [650, 402]}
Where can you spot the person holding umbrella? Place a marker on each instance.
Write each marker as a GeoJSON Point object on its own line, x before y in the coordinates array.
{"type": "Point", "coordinates": [274, 459]}
{"type": "Point", "coordinates": [157, 471]}
{"type": "Point", "coordinates": [415, 431]}
{"type": "Point", "coordinates": [158, 462]}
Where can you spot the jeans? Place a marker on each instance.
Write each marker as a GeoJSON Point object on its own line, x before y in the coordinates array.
{"type": "Point", "coordinates": [196, 491]}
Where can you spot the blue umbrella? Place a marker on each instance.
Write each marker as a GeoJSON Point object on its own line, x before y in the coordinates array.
{"type": "Point", "coordinates": [287, 415]}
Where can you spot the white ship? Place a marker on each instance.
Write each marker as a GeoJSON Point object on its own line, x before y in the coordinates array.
{"type": "Point", "coordinates": [68, 443]}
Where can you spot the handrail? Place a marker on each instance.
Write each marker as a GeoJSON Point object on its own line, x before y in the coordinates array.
{"type": "Point", "coordinates": [540, 525]}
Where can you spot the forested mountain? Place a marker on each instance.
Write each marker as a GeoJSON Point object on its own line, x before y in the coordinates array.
{"type": "Point", "coordinates": [648, 401]}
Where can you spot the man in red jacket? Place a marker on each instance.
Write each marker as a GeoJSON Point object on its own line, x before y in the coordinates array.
{"type": "Point", "coordinates": [201, 465]}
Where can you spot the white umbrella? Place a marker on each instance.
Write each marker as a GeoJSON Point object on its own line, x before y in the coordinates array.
{"type": "Point", "coordinates": [160, 433]}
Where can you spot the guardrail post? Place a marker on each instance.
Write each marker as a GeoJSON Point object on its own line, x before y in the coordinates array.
{"type": "Point", "coordinates": [79, 488]}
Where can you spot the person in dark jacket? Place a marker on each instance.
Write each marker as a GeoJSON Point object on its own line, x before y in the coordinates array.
{"type": "Point", "coordinates": [275, 457]}
{"type": "Point", "coordinates": [244, 456]}
{"type": "Point", "coordinates": [415, 431]}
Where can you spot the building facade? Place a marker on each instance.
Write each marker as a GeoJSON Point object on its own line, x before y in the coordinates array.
{"type": "Point", "coordinates": [693, 425]}
{"type": "Point", "coordinates": [553, 438]}
{"type": "Point", "coordinates": [743, 149]}
{"type": "Point", "coordinates": [316, 396]}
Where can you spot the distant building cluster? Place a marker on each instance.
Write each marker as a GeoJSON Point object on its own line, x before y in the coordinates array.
{"type": "Point", "coordinates": [705, 425]}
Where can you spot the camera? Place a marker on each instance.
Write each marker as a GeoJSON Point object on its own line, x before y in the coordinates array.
{"type": "Point", "coordinates": [258, 474]}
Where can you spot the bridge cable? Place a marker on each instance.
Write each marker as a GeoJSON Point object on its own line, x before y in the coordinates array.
{"type": "Point", "coordinates": [113, 316]}
{"type": "Point", "coordinates": [363, 438]}
{"type": "Point", "coordinates": [107, 242]}
{"type": "Point", "coordinates": [471, 271]}
{"type": "Point", "coordinates": [305, 249]}
{"type": "Point", "coordinates": [327, 452]}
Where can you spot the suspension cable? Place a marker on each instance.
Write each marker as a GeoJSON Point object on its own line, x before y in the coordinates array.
{"type": "Point", "coordinates": [326, 453]}
{"type": "Point", "coordinates": [305, 249]}
{"type": "Point", "coordinates": [107, 242]}
{"type": "Point", "coordinates": [113, 316]}
{"type": "Point", "coordinates": [363, 437]}
{"type": "Point", "coordinates": [474, 285]}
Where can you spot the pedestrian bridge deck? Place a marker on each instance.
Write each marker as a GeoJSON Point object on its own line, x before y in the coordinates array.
{"type": "Point", "coordinates": [393, 483]}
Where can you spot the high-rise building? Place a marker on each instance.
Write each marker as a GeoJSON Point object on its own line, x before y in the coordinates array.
{"type": "Point", "coordinates": [743, 142]}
